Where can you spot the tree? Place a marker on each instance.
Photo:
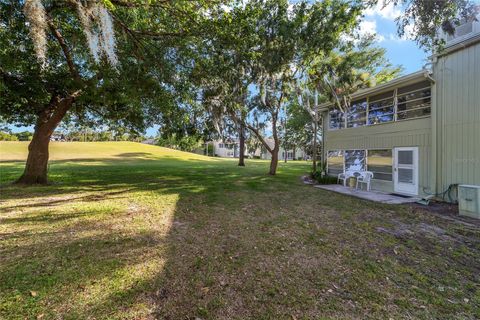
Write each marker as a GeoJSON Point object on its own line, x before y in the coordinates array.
{"type": "Point", "coordinates": [423, 20]}
{"type": "Point", "coordinates": [299, 127]}
{"type": "Point", "coordinates": [5, 136]}
{"type": "Point", "coordinates": [280, 35]}
{"type": "Point", "coordinates": [120, 61]}
{"type": "Point", "coordinates": [305, 97]}
{"type": "Point", "coordinates": [24, 136]}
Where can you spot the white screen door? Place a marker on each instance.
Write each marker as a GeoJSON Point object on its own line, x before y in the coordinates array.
{"type": "Point", "coordinates": [406, 170]}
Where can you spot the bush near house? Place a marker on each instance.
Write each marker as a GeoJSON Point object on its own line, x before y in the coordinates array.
{"type": "Point", "coordinates": [325, 179]}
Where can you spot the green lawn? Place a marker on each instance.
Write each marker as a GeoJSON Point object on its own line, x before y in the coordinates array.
{"type": "Point", "coordinates": [129, 231]}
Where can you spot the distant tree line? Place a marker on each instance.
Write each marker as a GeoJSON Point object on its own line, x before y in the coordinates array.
{"type": "Point", "coordinates": [7, 135]}
{"type": "Point", "coordinates": [86, 135]}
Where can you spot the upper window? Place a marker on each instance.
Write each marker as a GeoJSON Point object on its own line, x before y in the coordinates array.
{"type": "Point", "coordinates": [380, 108]}
{"type": "Point", "coordinates": [357, 114]}
{"type": "Point", "coordinates": [337, 119]}
{"type": "Point", "coordinates": [414, 101]}
{"type": "Point", "coordinates": [220, 145]}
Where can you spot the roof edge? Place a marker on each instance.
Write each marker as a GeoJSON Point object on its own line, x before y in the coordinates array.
{"type": "Point", "coordinates": [470, 41]}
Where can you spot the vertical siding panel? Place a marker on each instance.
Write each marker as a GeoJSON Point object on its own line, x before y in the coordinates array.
{"type": "Point", "coordinates": [458, 121]}
{"type": "Point", "coordinates": [463, 75]}
{"type": "Point", "coordinates": [476, 104]}
{"type": "Point", "coordinates": [471, 112]}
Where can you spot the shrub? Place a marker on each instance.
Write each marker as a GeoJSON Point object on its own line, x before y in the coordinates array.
{"type": "Point", "coordinates": [323, 179]}
{"type": "Point", "coordinates": [5, 136]}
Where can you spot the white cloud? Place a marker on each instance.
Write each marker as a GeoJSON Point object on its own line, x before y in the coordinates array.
{"type": "Point", "coordinates": [408, 36]}
{"type": "Point", "coordinates": [389, 12]}
{"type": "Point", "coordinates": [369, 27]}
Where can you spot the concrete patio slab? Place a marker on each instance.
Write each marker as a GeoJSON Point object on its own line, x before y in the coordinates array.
{"type": "Point", "coordinates": [375, 196]}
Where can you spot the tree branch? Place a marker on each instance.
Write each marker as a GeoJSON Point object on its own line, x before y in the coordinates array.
{"type": "Point", "coordinates": [66, 52]}
{"type": "Point", "coordinates": [61, 106]}
{"type": "Point", "coordinates": [259, 136]}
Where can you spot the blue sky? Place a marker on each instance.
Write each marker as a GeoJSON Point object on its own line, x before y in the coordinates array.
{"type": "Point", "coordinates": [403, 51]}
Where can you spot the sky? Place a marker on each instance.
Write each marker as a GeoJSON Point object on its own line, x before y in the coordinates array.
{"type": "Point", "coordinates": [403, 51]}
{"type": "Point", "coordinates": [380, 21]}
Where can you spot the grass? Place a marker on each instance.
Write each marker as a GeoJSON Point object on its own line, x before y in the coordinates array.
{"type": "Point", "coordinates": [129, 231]}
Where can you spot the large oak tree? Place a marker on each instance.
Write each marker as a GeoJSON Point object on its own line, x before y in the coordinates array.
{"type": "Point", "coordinates": [120, 61]}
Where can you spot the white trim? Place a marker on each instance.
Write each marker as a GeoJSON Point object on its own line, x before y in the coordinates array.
{"type": "Point", "coordinates": [406, 188]}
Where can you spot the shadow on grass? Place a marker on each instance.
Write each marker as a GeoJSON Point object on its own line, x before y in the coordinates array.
{"type": "Point", "coordinates": [62, 275]}
{"type": "Point", "coordinates": [134, 155]}
{"type": "Point", "coordinates": [89, 263]}
{"type": "Point", "coordinates": [52, 202]}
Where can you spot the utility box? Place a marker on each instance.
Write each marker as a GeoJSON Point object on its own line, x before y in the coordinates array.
{"type": "Point", "coordinates": [469, 201]}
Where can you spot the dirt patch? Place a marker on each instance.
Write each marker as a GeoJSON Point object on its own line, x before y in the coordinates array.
{"type": "Point", "coordinates": [444, 210]}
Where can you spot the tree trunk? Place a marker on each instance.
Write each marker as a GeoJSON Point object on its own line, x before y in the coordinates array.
{"type": "Point", "coordinates": [274, 161]}
{"type": "Point", "coordinates": [276, 147]}
{"type": "Point", "coordinates": [36, 167]}
{"type": "Point", "coordinates": [314, 152]}
{"type": "Point", "coordinates": [241, 156]}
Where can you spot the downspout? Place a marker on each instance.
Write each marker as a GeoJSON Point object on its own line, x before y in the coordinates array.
{"type": "Point", "coordinates": [324, 154]}
{"type": "Point", "coordinates": [434, 131]}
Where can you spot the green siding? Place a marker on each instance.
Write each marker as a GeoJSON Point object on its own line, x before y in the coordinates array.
{"type": "Point", "coordinates": [457, 117]}
{"type": "Point", "coordinates": [407, 133]}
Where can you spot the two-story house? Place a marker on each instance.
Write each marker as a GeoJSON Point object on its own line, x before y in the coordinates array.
{"type": "Point", "coordinates": [419, 134]}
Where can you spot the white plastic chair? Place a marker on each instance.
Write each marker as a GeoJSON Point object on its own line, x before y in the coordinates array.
{"type": "Point", "coordinates": [364, 177]}
{"type": "Point", "coordinates": [344, 176]}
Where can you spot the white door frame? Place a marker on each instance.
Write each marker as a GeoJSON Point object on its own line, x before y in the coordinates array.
{"type": "Point", "coordinates": [406, 188]}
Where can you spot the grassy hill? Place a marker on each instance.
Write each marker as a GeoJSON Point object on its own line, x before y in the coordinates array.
{"type": "Point", "coordinates": [17, 151]}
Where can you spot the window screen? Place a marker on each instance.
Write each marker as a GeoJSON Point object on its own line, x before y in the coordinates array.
{"type": "Point", "coordinates": [380, 163]}
{"type": "Point", "coordinates": [357, 115]}
{"type": "Point", "coordinates": [335, 162]}
{"type": "Point", "coordinates": [414, 101]}
{"type": "Point", "coordinates": [380, 108]}
{"type": "Point", "coordinates": [354, 160]}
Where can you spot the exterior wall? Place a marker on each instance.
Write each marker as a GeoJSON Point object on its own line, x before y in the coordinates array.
{"type": "Point", "coordinates": [457, 117]}
{"type": "Point", "coordinates": [299, 154]}
{"type": "Point", "coordinates": [407, 133]}
{"type": "Point", "coordinates": [225, 152]}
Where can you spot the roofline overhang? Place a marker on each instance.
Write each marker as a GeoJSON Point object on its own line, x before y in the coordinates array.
{"type": "Point", "coordinates": [412, 77]}
{"type": "Point", "coordinates": [457, 46]}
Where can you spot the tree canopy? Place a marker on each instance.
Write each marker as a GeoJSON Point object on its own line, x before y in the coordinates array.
{"type": "Point", "coordinates": [425, 20]}
{"type": "Point", "coordinates": [113, 62]}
